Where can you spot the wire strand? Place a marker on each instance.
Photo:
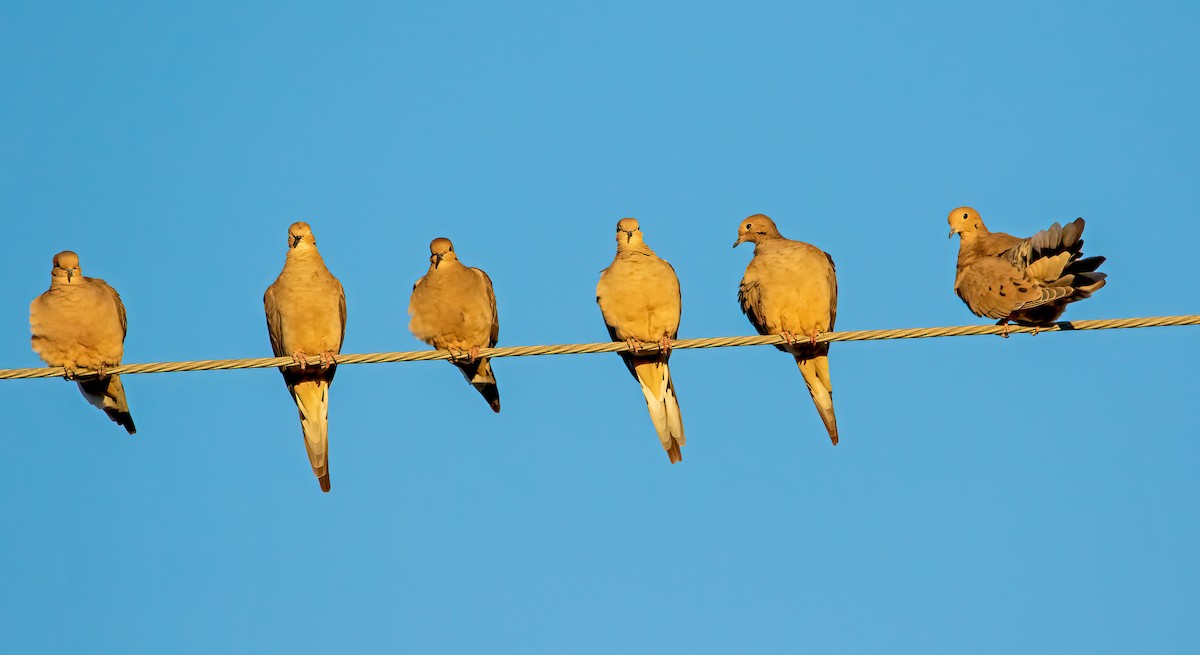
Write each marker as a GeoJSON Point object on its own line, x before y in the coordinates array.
{"type": "Point", "coordinates": [609, 347]}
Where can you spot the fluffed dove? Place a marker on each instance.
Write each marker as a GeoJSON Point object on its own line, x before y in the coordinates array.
{"type": "Point", "coordinates": [790, 289]}
{"type": "Point", "coordinates": [1025, 281]}
{"type": "Point", "coordinates": [453, 308]}
{"type": "Point", "coordinates": [79, 323]}
{"type": "Point", "coordinates": [639, 298]}
{"type": "Point", "coordinates": [306, 315]}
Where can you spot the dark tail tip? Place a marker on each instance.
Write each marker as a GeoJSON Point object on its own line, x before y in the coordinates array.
{"type": "Point", "coordinates": [674, 454]}
{"type": "Point", "coordinates": [833, 437]}
{"type": "Point", "coordinates": [490, 393]}
{"type": "Point", "coordinates": [122, 419]}
{"type": "Point", "coordinates": [324, 480]}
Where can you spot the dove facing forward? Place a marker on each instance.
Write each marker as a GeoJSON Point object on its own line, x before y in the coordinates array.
{"type": "Point", "coordinates": [306, 315]}
{"type": "Point", "coordinates": [1024, 281]}
{"type": "Point", "coordinates": [453, 308]}
{"type": "Point", "coordinates": [790, 289]}
{"type": "Point", "coordinates": [639, 299]}
{"type": "Point", "coordinates": [79, 323]}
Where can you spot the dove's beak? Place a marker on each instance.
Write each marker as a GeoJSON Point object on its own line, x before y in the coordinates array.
{"type": "Point", "coordinates": [740, 240]}
{"type": "Point", "coordinates": [69, 275]}
{"type": "Point", "coordinates": [952, 233]}
{"type": "Point", "coordinates": [628, 237]}
{"type": "Point", "coordinates": [296, 240]}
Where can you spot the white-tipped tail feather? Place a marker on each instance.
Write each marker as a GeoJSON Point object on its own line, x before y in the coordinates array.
{"type": "Point", "coordinates": [816, 375]}
{"type": "Point", "coordinates": [312, 398]}
{"type": "Point", "coordinates": [655, 380]}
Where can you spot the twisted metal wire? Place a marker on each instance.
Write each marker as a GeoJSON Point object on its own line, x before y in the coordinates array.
{"type": "Point", "coordinates": [609, 347]}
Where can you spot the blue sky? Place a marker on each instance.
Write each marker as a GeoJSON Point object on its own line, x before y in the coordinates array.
{"type": "Point", "coordinates": [988, 495]}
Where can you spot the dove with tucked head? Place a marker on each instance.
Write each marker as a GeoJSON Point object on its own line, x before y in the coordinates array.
{"type": "Point", "coordinates": [640, 301]}
{"type": "Point", "coordinates": [453, 307]}
{"type": "Point", "coordinates": [79, 324]}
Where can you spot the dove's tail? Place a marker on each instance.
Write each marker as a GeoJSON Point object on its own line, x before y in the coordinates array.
{"type": "Point", "coordinates": [108, 395]}
{"type": "Point", "coordinates": [1053, 259]}
{"type": "Point", "coordinates": [816, 375]}
{"type": "Point", "coordinates": [479, 374]}
{"type": "Point", "coordinates": [655, 380]}
{"type": "Point", "coordinates": [1065, 272]}
{"type": "Point", "coordinates": [312, 399]}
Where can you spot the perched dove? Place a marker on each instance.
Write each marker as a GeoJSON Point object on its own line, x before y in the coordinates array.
{"type": "Point", "coordinates": [1025, 281]}
{"type": "Point", "coordinates": [79, 323]}
{"type": "Point", "coordinates": [639, 299]}
{"type": "Point", "coordinates": [453, 308]}
{"type": "Point", "coordinates": [306, 315]}
{"type": "Point", "coordinates": [790, 289]}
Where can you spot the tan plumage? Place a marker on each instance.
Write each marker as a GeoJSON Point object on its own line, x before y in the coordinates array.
{"type": "Point", "coordinates": [1024, 281]}
{"type": "Point", "coordinates": [790, 288]}
{"type": "Point", "coordinates": [306, 315]}
{"type": "Point", "coordinates": [639, 298]}
{"type": "Point", "coordinates": [453, 307]}
{"type": "Point", "coordinates": [79, 323]}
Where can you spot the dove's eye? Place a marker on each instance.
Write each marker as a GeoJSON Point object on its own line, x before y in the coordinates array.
{"type": "Point", "coordinates": [749, 226]}
{"type": "Point", "coordinates": [964, 216]}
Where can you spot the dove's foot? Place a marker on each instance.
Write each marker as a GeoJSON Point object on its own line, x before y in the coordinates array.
{"type": "Point", "coordinates": [664, 346]}
{"type": "Point", "coordinates": [328, 358]}
{"type": "Point", "coordinates": [300, 359]}
{"type": "Point", "coordinates": [463, 356]}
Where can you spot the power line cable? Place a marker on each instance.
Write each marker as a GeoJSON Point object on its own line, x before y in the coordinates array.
{"type": "Point", "coordinates": [613, 347]}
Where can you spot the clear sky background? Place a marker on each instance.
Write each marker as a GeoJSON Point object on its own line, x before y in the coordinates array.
{"type": "Point", "coordinates": [989, 495]}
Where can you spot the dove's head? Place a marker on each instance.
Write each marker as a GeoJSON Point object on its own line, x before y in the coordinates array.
{"type": "Point", "coordinates": [441, 250]}
{"type": "Point", "coordinates": [755, 229]}
{"type": "Point", "coordinates": [66, 268]}
{"type": "Point", "coordinates": [300, 233]}
{"type": "Point", "coordinates": [965, 221]}
{"type": "Point", "coordinates": [628, 231]}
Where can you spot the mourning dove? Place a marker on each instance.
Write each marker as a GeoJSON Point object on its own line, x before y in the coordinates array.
{"type": "Point", "coordinates": [1025, 281]}
{"type": "Point", "coordinates": [453, 308]}
{"type": "Point", "coordinates": [79, 323]}
{"type": "Point", "coordinates": [639, 299]}
{"type": "Point", "coordinates": [306, 315]}
{"type": "Point", "coordinates": [790, 289]}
